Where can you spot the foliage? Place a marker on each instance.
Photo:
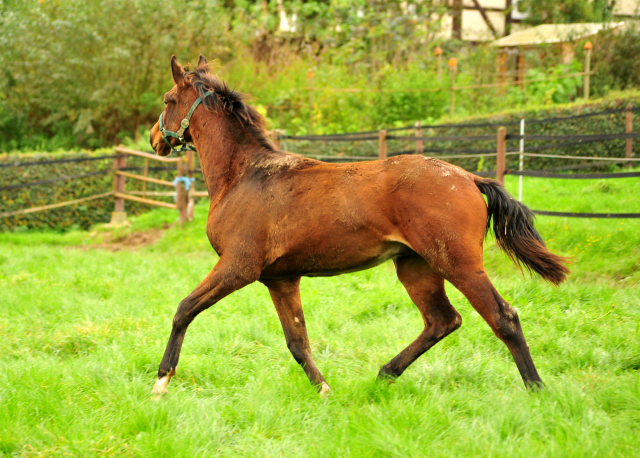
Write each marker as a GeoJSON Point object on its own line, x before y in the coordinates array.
{"type": "Point", "coordinates": [78, 70]}
{"type": "Point", "coordinates": [567, 11]}
{"type": "Point", "coordinates": [554, 90]}
{"type": "Point", "coordinates": [76, 75]}
{"type": "Point", "coordinates": [83, 331]}
{"type": "Point", "coordinates": [615, 60]}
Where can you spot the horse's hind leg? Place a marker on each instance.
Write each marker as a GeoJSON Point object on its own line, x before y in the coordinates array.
{"type": "Point", "coordinates": [426, 290]}
{"type": "Point", "coordinates": [501, 317]}
{"type": "Point", "coordinates": [286, 297]}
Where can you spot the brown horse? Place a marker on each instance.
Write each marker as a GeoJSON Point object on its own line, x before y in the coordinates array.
{"type": "Point", "coordinates": [276, 216]}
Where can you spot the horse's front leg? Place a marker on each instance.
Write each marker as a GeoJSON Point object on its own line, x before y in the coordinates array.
{"type": "Point", "coordinates": [286, 298]}
{"type": "Point", "coordinates": [226, 277]}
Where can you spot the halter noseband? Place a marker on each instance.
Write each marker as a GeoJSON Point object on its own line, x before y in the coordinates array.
{"type": "Point", "coordinates": [184, 124]}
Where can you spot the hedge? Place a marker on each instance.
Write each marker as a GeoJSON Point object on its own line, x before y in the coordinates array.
{"type": "Point", "coordinates": [606, 124]}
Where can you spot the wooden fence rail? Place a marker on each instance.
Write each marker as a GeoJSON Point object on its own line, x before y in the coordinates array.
{"type": "Point", "coordinates": [184, 199]}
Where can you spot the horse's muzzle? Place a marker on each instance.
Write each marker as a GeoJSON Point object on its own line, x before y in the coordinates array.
{"type": "Point", "coordinates": [157, 142]}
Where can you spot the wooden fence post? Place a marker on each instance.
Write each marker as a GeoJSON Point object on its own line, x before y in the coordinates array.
{"type": "Point", "coordinates": [438, 52]}
{"type": "Point", "coordinates": [382, 145]}
{"type": "Point", "coordinates": [628, 129]}
{"type": "Point", "coordinates": [587, 69]}
{"type": "Point", "coordinates": [419, 146]}
{"type": "Point", "coordinates": [146, 174]}
{"type": "Point", "coordinates": [502, 154]}
{"type": "Point", "coordinates": [118, 216]}
{"type": "Point", "coordinates": [181, 197]}
{"type": "Point", "coordinates": [453, 68]}
{"type": "Point", "coordinates": [191, 168]}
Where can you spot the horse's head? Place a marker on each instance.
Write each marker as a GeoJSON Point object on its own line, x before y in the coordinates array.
{"type": "Point", "coordinates": [171, 130]}
{"type": "Point", "coordinates": [236, 120]}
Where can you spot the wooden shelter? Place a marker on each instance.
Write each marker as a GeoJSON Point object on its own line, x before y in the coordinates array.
{"type": "Point", "coordinates": [562, 35]}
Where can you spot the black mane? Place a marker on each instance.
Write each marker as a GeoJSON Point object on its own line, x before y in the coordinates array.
{"type": "Point", "coordinates": [229, 101]}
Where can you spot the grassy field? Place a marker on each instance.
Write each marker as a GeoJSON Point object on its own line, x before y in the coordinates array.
{"type": "Point", "coordinates": [83, 329]}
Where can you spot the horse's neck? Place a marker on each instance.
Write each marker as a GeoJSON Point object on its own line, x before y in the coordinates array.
{"type": "Point", "coordinates": [224, 151]}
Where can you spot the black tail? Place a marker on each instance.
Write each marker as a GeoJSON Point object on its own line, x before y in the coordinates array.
{"type": "Point", "coordinates": [515, 234]}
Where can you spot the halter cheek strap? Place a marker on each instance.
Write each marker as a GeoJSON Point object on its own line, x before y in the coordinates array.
{"type": "Point", "coordinates": [184, 124]}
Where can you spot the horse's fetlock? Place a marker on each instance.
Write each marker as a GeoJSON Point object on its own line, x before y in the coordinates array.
{"type": "Point", "coordinates": [457, 322]}
{"type": "Point", "coordinates": [171, 372]}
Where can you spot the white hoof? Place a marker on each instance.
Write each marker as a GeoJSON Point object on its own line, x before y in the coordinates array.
{"type": "Point", "coordinates": [160, 387]}
{"type": "Point", "coordinates": [325, 389]}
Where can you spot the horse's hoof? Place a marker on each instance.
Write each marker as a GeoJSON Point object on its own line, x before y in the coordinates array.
{"type": "Point", "coordinates": [160, 387]}
{"type": "Point", "coordinates": [384, 376]}
{"type": "Point", "coordinates": [537, 385]}
{"type": "Point", "coordinates": [325, 389]}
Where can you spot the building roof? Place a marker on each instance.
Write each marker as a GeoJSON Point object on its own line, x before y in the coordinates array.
{"type": "Point", "coordinates": [553, 33]}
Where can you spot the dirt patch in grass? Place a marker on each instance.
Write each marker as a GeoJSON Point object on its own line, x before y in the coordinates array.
{"type": "Point", "coordinates": [126, 242]}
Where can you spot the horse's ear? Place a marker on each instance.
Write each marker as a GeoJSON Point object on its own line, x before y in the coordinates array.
{"type": "Point", "coordinates": [177, 71]}
{"type": "Point", "coordinates": [202, 62]}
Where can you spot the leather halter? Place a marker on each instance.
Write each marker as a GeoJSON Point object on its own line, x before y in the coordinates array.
{"type": "Point", "coordinates": [184, 125]}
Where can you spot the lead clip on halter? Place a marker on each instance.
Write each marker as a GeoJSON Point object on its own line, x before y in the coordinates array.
{"type": "Point", "coordinates": [184, 124]}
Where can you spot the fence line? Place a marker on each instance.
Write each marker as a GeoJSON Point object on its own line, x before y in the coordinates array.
{"type": "Point", "coordinates": [57, 161]}
{"type": "Point", "coordinates": [579, 138]}
{"type": "Point", "coordinates": [184, 199]}
{"type": "Point", "coordinates": [590, 158]}
{"type": "Point", "coordinates": [462, 138]}
{"type": "Point", "coordinates": [185, 194]}
{"type": "Point", "coordinates": [49, 207]}
{"type": "Point", "coordinates": [574, 176]}
{"type": "Point", "coordinates": [587, 215]}
{"type": "Point", "coordinates": [53, 180]}
{"type": "Point", "coordinates": [560, 141]}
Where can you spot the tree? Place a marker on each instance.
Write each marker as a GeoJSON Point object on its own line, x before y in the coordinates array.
{"type": "Point", "coordinates": [566, 11]}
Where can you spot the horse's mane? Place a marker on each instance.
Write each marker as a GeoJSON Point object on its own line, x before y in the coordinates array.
{"type": "Point", "coordinates": [229, 101]}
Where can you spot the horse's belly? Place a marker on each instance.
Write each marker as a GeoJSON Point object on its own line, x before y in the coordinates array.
{"type": "Point", "coordinates": [334, 260]}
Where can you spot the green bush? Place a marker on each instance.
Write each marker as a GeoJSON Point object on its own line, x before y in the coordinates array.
{"type": "Point", "coordinates": [615, 60]}
{"type": "Point", "coordinates": [606, 124]}
{"type": "Point", "coordinates": [75, 75]}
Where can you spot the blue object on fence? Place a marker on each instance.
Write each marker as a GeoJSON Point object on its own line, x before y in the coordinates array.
{"type": "Point", "coordinates": [187, 185]}
{"type": "Point", "coordinates": [187, 182]}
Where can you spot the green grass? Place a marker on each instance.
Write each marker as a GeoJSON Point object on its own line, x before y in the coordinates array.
{"type": "Point", "coordinates": [82, 332]}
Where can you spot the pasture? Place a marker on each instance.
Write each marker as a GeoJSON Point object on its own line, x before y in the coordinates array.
{"type": "Point", "coordinates": [83, 329]}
